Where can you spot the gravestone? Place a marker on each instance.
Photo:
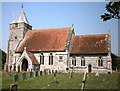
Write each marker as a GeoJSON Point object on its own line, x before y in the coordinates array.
{"type": "Point", "coordinates": [70, 76]}
{"type": "Point", "coordinates": [44, 72]}
{"type": "Point", "coordinates": [55, 79]}
{"type": "Point", "coordinates": [31, 74]}
{"type": "Point", "coordinates": [24, 75]}
{"type": "Point", "coordinates": [40, 73]}
{"type": "Point", "coordinates": [52, 71]}
{"type": "Point", "coordinates": [18, 68]}
{"type": "Point", "coordinates": [14, 69]}
{"type": "Point", "coordinates": [13, 87]}
{"type": "Point", "coordinates": [6, 68]}
{"type": "Point", "coordinates": [55, 74]}
{"type": "Point", "coordinates": [10, 69]}
{"type": "Point", "coordinates": [49, 71]}
{"type": "Point", "coordinates": [15, 79]}
{"type": "Point", "coordinates": [36, 73]}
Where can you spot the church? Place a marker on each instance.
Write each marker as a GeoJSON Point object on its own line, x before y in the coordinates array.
{"type": "Point", "coordinates": [56, 49]}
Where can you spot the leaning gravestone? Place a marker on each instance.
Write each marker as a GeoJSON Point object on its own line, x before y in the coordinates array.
{"type": "Point", "coordinates": [13, 87]}
{"type": "Point", "coordinates": [55, 79]}
{"type": "Point", "coordinates": [24, 75]}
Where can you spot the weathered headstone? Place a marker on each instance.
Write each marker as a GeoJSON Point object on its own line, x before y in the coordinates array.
{"type": "Point", "coordinates": [31, 74]}
{"type": "Point", "coordinates": [36, 73]}
{"type": "Point", "coordinates": [15, 79]}
{"type": "Point", "coordinates": [49, 71]}
{"type": "Point", "coordinates": [6, 68]}
{"type": "Point", "coordinates": [24, 75]}
{"type": "Point", "coordinates": [13, 87]}
{"type": "Point", "coordinates": [55, 79]}
{"type": "Point", "coordinates": [40, 73]}
{"type": "Point", "coordinates": [55, 73]}
{"type": "Point", "coordinates": [44, 72]}
{"type": "Point", "coordinates": [14, 69]}
{"type": "Point", "coordinates": [18, 68]}
{"type": "Point", "coordinates": [52, 71]}
{"type": "Point", "coordinates": [10, 69]}
{"type": "Point", "coordinates": [71, 72]}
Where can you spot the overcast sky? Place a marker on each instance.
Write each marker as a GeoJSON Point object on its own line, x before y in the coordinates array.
{"type": "Point", "coordinates": [85, 16]}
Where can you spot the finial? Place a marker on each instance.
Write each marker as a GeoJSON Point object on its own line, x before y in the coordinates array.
{"type": "Point", "coordinates": [22, 6]}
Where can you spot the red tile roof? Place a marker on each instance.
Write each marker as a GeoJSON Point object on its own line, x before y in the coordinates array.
{"type": "Point", "coordinates": [32, 57]}
{"type": "Point", "coordinates": [45, 40]}
{"type": "Point", "coordinates": [90, 44]}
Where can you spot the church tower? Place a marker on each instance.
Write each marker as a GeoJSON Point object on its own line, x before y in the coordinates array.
{"type": "Point", "coordinates": [18, 29]}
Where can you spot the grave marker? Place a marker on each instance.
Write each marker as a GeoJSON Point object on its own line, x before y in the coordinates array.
{"type": "Point", "coordinates": [40, 73]}
{"type": "Point", "coordinates": [14, 69]}
{"type": "Point", "coordinates": [6, 68]}
{"type": "Point", "coordinates": [31, 74]}
{"type": "Point", "coordinates": [44, 72]}
{"type": "Point", "coordinates": [13, 87]}
{"type": "Point", "coordinates": [24, 75]}
{"type": "Point", "coordinates": [18, 68]}
{"type": "Point", "coordinates": [36, 73]}
{"type": "Point", "coordinates": [15, 78]}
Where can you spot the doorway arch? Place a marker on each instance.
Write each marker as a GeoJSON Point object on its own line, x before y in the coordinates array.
{"type": "Point", "coordinates": [24, 64]}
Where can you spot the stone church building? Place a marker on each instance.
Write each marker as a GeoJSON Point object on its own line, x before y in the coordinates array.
{"type": "Point", "coordinates": [56, 49]}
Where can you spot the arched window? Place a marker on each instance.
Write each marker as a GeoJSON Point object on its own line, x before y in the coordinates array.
{"type": "Point", "coordinates": [50, 59]}
{"type": "Point", "coordinates": [82, 61]}
{"type": "Point", "coordinates": [41, 58]}
{"type": "Point", "coordinates": [100, 61]}
{"type": "Point", "coordinates": [74, 61]}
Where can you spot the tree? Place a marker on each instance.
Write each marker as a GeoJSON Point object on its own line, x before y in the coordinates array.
{"type": "Point", "coordinates": [2, 58]}
{"type": "Point", "coordinates": [113, 9]}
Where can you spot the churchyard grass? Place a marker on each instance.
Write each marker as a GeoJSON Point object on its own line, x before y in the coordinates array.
{"type": "Point", "coordinates": [103, 81]}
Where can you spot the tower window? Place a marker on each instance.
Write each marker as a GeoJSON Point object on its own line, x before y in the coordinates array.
{"type": "Point", "coordinates": [16, 24]}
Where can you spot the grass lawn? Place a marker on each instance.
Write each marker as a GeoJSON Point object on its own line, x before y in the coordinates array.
{"type": "Point", "coordinates": [104, 81]}
{"type": "Point", "coordinates": [45, 82]}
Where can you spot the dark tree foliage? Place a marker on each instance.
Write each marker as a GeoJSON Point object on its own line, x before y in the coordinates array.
{"type": "Point", "coordinates": [2, 58]}
{"type": "Point", "coordinates": [113, 9]}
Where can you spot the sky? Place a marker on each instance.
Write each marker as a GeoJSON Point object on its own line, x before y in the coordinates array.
{"type": "Point", "coordinates": [85, 16]}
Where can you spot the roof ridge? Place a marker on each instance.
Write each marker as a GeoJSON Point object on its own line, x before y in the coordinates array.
{"type": "Point", "coordinates": [91, 34]}
{"type": "Point", "coordinates": [51, 28]}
